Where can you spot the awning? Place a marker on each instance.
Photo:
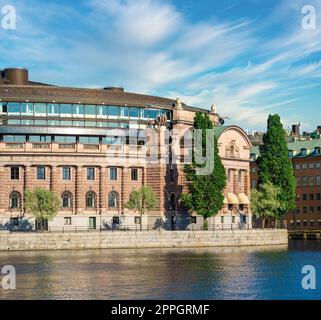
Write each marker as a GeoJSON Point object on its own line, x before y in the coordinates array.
{"type": "Point", "coordinates": [232, 198]}
{"type": "Point", "coordinates": [243, 198]}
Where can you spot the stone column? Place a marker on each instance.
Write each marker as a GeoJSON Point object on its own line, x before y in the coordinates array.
{"type": "Point", "coordinates": [78, 186]}
{"type": "Point", "coordinates": [235, 181]}
{"type": "Point", "coordinates": [27, 183]}
{"type": "Point", "coordinates": [102, 188]}
{"type": "Point", "coordinates": [125, 187]}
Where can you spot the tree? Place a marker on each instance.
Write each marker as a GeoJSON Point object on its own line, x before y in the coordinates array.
{"type": "Point", "coordinates": [265, 201]}
{"type": "Point", "coordinates": [275, 165]}
{"type": "Point", "coordinates": [205, 192]}
{"type": "Point", "coordinates": [42, 204]}
{"type": "Point", "coordinates": [141, 200]}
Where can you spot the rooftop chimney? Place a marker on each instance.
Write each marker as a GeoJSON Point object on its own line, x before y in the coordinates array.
{"type": "Point", "coordinates": [16, 76]}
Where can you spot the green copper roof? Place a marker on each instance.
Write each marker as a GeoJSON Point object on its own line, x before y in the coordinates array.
{"type": "Point", "coordinates": [218, 130]}
{"type": "Point", "coordinates": [296, 147]}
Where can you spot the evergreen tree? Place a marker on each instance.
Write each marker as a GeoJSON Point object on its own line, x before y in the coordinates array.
{"type": "Point", "coordinates": [205, 192]}
{"type": "Point", "coordinates": [275, 165]}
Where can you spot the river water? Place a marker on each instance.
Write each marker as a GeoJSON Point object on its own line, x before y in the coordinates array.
{"type": "Point", "coordinates": [205, 273]}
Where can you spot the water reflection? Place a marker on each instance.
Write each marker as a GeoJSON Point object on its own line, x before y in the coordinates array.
{"type": "Point", "coordinates": [203, 273]}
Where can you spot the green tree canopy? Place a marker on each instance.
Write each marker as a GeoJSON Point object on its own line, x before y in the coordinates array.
{"type": "Point", "coordinates": [265, 201]}
{"type": "Point", "coordinates": [205, 192]}
{"type": "Point", "coordinates": [41, 203]}
{"type": "Point", "coordinates": [275, 165]}
{"type": "Point", "coordinates": [141, 200]}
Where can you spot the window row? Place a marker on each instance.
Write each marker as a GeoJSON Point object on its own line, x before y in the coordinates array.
{"type": "Point", "coordinates": [310, 196]}
{"type": "Point", "coordinates": [81, 111]}
{"type": "Point", "coordinates": [305, 223]}
{"type": "Point", "coordinates": [308, 209]}
{"type": "Point", "coordinates": [311, 165]}
{"type": "Point", "coordinates": [66, 123]}
{"type": "Point", "coordinates": [311, 181]}
{"type": "Point", "coordinates": [71, 139]}
{"type": "Point", "coordinates": [66, 173]}
{"type": "Point", "coordinates": [67, 198]}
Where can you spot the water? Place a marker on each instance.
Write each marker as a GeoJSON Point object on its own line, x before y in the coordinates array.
{"type": "Point", "coordinates": [207, 273]}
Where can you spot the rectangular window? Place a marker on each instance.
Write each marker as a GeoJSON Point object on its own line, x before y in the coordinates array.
{"type": "Point", "coordinates": [65, 139]}
{"type": "Point", "coordinates": [14, 173]}
{"type": "Point", "coordinates": [304, 197]}
{"type": "Point", "coordinates": [222, 219]}
{"type": "Point", "coordinates": [318, 196]}
{"type": "Point", "coordinates": [66, 173]}
{"type": "Point", "coordinates": [318, 181]}
{"type": "Point", "coordinates": [253, 184]}
{"type": "Point", "coordinates": [305, 223]}
{"type": "Point", "coordinates": [305, 209]}
{"type": "Point", "coordinates": [90, 173]}
{"type": "Point", "coordinates": [311, 209]}
{"type": "Point", "coordinates": [113, 174]}
{"type": "Point", "coordinates": [134, 174]}
{"type": "Point", "coordinates": [311, 196]}
{"type": "Point", "coordinates": [40, 109]}
{"type": "Point", "coordinates": [297, 166]}
{"type": "Point", "coordinates": [193, 219]}
{"type": "Point", "coordinates": [40, 138]}
{"type": "Point", "coordinates": [298, 181]}
{"type": "Point", "coordinates": [65, 110]}
{"type": "Point", "coordinates": [115, 220]}
{"type": "Point", "coordinates": [67, 221]}
{"type": "Point", "coordinates": [13, 108]}
{"type": "Point", "coordinates": [311, 181]}
{"type": "Point", "coordinates": [317, 165]}
{"type": "Point", "coordinates": [298, 223]}
{"type": "Point", "coordinates": [311, 165]}
{"type": "Point", "coordinates": [304, 181]}
{"type": "Point", "coordinates": [318, 209]}
{"type": "Point", "coordinates": [304, 166]}
{"type": "Point", "coordinates": [10, 138]}
{"type": "Point", "coordinates": [102, 111]}
{"type": "Point", "coordinates": [137, 220]}
{"type": "Point", "coordinates": [53, 110]}
{"type": "Point", "coordinates": [90, 111]}
{"type": "Point", "coordinates": [113, 111]}
{"type": "Point", "coordinates": [41, 173]}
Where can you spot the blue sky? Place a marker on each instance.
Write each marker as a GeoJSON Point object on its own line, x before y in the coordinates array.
{"type": "Point", "coordinates": [249, 57]}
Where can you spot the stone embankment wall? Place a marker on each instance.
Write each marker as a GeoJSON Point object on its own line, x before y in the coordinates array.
{"type": "Point", "coordinates": [145, 239]}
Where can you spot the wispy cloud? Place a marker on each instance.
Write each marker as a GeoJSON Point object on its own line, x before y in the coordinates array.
{"type": "Point", "coordinates": [249, 67]}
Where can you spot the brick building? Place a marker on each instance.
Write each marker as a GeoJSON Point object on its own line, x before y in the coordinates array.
{"type": "Point", "coordinates": [91, 146]}
{"type": "Point", "coordinates": [306, 160]}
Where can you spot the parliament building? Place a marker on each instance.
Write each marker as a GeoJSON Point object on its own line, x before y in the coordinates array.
{"type": "Point", "coordinates": [92, 147]}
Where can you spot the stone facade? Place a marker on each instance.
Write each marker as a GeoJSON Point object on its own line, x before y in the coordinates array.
{"type": "Point", "coordinates": [131, 239]}
{"type": "Point", "coordinates": [94, 177]}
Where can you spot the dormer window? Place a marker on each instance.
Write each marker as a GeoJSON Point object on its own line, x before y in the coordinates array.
{"type": "Point", "coordinates": [290, 153]}
{"type": "Point", "coordinates": [303, 152]}
{"type": "Point", "coordinates": [253, 156]}
{"type": "Point", "coordinates": [317, 150]}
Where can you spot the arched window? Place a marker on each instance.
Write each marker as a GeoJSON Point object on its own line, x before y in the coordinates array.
{"type": "Point", "coordinates": [66, 200]}
{"type": "Point", "coordinates": [113, 199]}
{"type": "Point", "coordinates": [90, 199]}
{"type": "Point", "coordinates": [14, 200]}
